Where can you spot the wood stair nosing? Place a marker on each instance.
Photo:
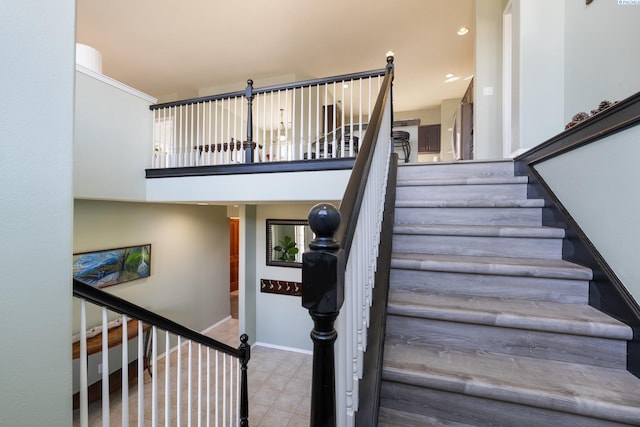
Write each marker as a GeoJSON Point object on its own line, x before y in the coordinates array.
{"type": "Point", "coordinates": [529, 267]}
{"type": "Point", "coordinates": [572, 319]}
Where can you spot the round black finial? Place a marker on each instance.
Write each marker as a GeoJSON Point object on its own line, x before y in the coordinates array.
{"type": "Point", "coordinates": [324, 220]}
{"type": "Point", "coordinates": [244, 338]}
{"type": "Point", "coordinates": [250, 82]}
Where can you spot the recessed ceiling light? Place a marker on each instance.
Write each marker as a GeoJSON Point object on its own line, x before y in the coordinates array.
{"type": "Point", "coordinates": [463, 31]}
{"type": "Point", "coordinates": [346, 86]}
{"type": "Point", "coordinates": [449, 75]}
{"type": "Point", "coordinates": [452, 79]}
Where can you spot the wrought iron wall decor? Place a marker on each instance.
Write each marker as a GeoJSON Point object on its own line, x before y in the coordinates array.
{"type": "Point", "coordinates": [282, 287]}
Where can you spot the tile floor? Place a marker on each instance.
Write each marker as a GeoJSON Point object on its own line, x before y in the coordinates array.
{"type": "Point", "coordinates": [279, 388]}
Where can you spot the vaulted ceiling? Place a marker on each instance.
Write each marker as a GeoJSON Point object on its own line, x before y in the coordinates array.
{"type": "Point", "coordinates": [171, 49]}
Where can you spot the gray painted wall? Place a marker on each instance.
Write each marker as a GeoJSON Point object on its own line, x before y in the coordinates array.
{"type": "Point", "coordinates": [280, 319]}
{"type": "Point", "coordinates": [247, 272]}
{"type": "Point", "coordinates": [36, 129]}
{"type": "Point", "coordinates": [112, 148]}
{"type": "Point", "coordinates": [601, 54]}
{"type": "Point", "coordinates": [598, 184]}
{"type": "Point", "coordinates": [189, 280]}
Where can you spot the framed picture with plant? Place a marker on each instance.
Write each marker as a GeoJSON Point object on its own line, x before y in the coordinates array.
{"type": "Point", "coordinates": [287, 239]}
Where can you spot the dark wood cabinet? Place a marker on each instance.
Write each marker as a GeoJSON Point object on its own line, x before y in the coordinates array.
{"type": "Point", "coordinates": [429, 139]}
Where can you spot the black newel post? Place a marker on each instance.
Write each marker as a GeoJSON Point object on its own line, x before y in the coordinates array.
{"type": "Point", "coordinates": [245, 349]}
{"type": "Point", "coordinates": [248, 144]}
{"type": "Point", "coordinates": [323, 295]}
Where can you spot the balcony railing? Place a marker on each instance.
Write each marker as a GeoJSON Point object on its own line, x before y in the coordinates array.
{"type": "Point", "coordinates": [313, 119]}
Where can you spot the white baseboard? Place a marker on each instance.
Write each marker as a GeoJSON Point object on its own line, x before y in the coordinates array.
{"type": "Point", "coordinates": [283, 348]}
{"type": "Point", "coordinates": [215, 325]}
{"type": "Point", "coordinates": [204, 332]}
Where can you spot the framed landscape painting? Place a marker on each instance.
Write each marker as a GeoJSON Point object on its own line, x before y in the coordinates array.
{"type": "Point", "coordinates": [112, 266]}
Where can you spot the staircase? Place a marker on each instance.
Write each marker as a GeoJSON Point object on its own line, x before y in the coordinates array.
{"type": "Point", "coordinates": [487, 325]}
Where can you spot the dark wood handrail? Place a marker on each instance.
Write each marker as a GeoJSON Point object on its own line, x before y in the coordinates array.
{"type": "Point", "coordinates": [607, 292]}
{"type": "Point", "coordinates": [355, 190]}
{"type": "Point", "coordinates": [323, 266]}
{"type": "Point", "coordinates": [274, 88]}
{"type": "Point", "coordinates": [118, 305]}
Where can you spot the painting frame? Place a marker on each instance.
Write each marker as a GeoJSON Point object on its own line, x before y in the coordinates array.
{"type": "Point", "coordinates": [109, 267]}
{"type": "Point", "coordinates": [272, 241]}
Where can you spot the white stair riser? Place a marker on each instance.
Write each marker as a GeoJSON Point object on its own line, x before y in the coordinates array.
{"type": "Point", "coordinates": [455, 192]}
{"type": "Point", "coordinates": [444, 335]}
{"type": "Point", "coordinates": [455, 170]}
{"type": "Point", "coordinates": [513, 287]}
{"type": "Point", "coordinates": [469, 216]}
{"type": "Point", "coordinates": [519, 247]}
{"type": "Point", "coordinates": [477, 411]}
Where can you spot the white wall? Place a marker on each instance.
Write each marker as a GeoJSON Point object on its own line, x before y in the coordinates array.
{"type": "Point", "coordinates": [251, 188]}
{"type": "Point", "coordinates": [37, 45]}
{"type": "Point", "coordinates": [487, 109]}
{"type": "Point", "coordinates": [113, 134]}
{"type": "Point", "coordinates": [598, 184]}
{"type": "Point", "coordinates": [280, 319]}
{"type": "Point", "coordinates": [538, 72]}
{"type": "Point", "coordinates": [601, 54]}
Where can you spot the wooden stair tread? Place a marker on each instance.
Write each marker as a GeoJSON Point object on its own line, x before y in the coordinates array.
{"type": "Point", "coordinates": [611, 394]}
{"type": "Point", "coordinates": [534, 267]}
{"type": "Point", "coordinates": [574, 319]}
{"type": "Point", "coordinates": [392, 418]}
{"type": "Point", "coordinates": [480, 230]}
{"type": "Point", "coordinates": [481, 180]}
{"type": "Point", "coordinates": [478, 203]}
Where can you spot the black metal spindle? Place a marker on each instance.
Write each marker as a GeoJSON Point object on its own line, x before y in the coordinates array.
{"type": "Point", "coordinates": [248, 144]}
{"type": "Point", "coordinates": [245, 350]}
{"type": "Point", "coordinates": [323, 295]}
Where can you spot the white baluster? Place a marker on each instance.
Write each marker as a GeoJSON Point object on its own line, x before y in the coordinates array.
{"type": "Point", "coordinates": [199, 385]}
{"type": "Point", "coordinates": [309, 147]}
{"type": "Point", "coordinates": [84, 398]}
{"type": "Point", "coordinates": [140, 375]}
{"type": "Point", "coordinates": [217, 405]}
{"type": "Point", "coordinates": [154, 379]}
{"type": "Point", "coordinates": [167, 379]}
{"type": "Point", "coordinates": [231, 383]}
{"type": "Point", "coordinates": [224, 388]}
{"type": "Point", "coordinates": [191, 138]}
{"type": "Point", "coordinates": [105, 368]}
{"type": "Point", "coordinates": [179, 383]}
{"type": "Point", "coordinates": [208, 387]}
{"type": "Point", "coordinates": [198, 136]}
{"type": "Point", "coordinates": [125, 371]}
{"type": "Point", "coordinates": [189, 393]}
